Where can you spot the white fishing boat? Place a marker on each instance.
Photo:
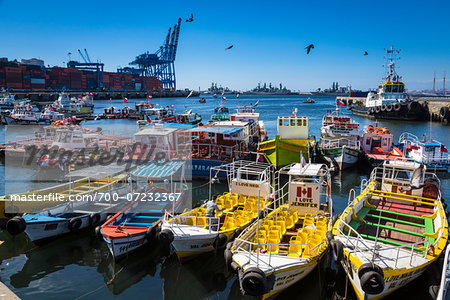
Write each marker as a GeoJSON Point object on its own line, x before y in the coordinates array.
{"type": "Point", "coordinates": [22, 115]}
{"type": "Point", "coordinates": [431, 152]}
{"type": "Point", "coordinates": [286, 245]}
{"type": "Point", "coordinates": [79, 210]}
{"type": "Point", "coordinates": [50, 115]}
{"type": "Point", "coordinates": [339, 140]}
{"type": "Point", "coordinates": [249, 185]}
{"type": "Point", "coordinates": [389, 234]}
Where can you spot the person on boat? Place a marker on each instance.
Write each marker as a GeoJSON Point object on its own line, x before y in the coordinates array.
{"type": "Point", "coordinates": [211, 208]}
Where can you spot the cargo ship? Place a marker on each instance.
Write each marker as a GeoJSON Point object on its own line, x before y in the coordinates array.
{"type": "Point", "coordinates": [391, 101]}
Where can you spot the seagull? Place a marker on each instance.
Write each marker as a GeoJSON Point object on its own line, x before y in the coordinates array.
{"type": "Point", "coordinates": [228, 48]}
{"type": "Point", "coordinates": [365, 53]}
{"type": "Point", "coordinates": [308, 48]}
{"type": "Point", "coordinates": [191, 18]}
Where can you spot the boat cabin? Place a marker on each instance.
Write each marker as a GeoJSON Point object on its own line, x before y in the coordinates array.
{"type": "Point", "coordinates": [221, 114]}
{"type": "Point", "coordinates": [293, 127]}
{"type": "Point", "coordinates": [376, 139]}
{"type": "Point", "coordinates": [69, 138]}
{"type": "Point", "coordinates": [429, 152]}
{"type": "Point", "coordinates": [341, 125]}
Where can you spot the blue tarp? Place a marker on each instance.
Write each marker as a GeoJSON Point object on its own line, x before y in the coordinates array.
{"type": "Point", "coordinates": [158, 170]}
{"type": "Point", "coordinates": [221, 130]}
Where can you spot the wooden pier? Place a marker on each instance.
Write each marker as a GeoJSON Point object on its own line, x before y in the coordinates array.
{"type": "Point", "coordinates": [6, 293]}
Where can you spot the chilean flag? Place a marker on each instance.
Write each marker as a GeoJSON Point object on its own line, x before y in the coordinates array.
{"type": "Point", "coordinates": [339, 102]}
{"type": "Point", "coordinates": [224, 98]}
{"type": "Point", "coordinates": [149, 120]}
{"type": "Point", "coordinates": [125, 100]}
{"type": "Point", "coordinates": [149, 97]}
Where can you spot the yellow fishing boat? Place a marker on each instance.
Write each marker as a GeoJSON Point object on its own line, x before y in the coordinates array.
{"type": "Point", "coordinates": [285, 246]}
{"type": "Point", "coordinates": [389, 234]}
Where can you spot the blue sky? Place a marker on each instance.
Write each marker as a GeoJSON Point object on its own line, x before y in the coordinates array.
{"type": "Point", "coordinates": [268, 37]}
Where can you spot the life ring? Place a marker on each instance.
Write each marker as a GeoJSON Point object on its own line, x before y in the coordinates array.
{"type": "Point", "coordinates": [16, 225]}
{"type": "Point", "coordinates": [389, 107]}
{"type": "Point", "coordinates": [166, 237]}
{"type": "Point", "coordinates": [337, 248]}
{"type": "Point", "coordinates": [94, 219]}
{"type": "Point", "coordinates": [371, 278]}
{"type": "Point", "coordinates": [254, 282]}
{"type": "Point", "coordinates": [220, 241]}
{"type": "Point", "coordinates": [377, 109]}
{"type": "Point", "coordinates": [74, 224]}
{"type": "Point", "coordinates": [397, 106]}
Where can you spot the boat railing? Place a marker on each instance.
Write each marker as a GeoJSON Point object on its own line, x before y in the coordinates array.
{"type": "Point", "coordinates": [351, 196]}
{"type": "Point", "coordinates": [363, 184]}
{"type": "Point", "coordinates": [219, 151]}
{"type": "Point", "coordinates": [255, 249]}
{"type": "Point", "coordinates": [339, 142]}
{"type": "Point", "coordinates": [180, 222]}
{"type": "Point", "coordinates": [352, 239]}
{"type": "Point", "coordinates": [406, 136]}
{"type": "Point", "coordinates": [432, 158]}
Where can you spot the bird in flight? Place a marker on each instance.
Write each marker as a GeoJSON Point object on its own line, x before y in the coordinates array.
{"type": "Point", "coordinates": [308, 48]}
{"type": "Point", "coordinates": [365, 53]}
{"type": "Point", "coordinates": [229, 47]}
{"type": "Point", "coordinates": [191, 18]}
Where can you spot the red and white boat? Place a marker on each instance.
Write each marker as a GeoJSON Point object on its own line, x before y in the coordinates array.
{"type": "Point", "coordinates": [377, 145]}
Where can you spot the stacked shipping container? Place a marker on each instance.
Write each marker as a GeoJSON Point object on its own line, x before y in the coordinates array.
{"type": "Point", "coordinates": [30, 77]}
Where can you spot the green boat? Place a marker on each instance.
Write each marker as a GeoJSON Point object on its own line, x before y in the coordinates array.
{"type": "Point", "coordinates": [291, 143]}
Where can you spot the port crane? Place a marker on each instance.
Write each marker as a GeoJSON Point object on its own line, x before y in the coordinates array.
{"type": "Point", "coordinates": [161, 63]}
{"type": "Point", "coordinates": [88, 65]}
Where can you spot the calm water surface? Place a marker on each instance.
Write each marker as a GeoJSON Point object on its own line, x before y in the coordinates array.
{"type": "Point", "coordinates": [80, 266]}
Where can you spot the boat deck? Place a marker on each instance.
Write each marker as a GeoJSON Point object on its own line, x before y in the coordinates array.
{"type": "Point", "coordinates": [397, 223]}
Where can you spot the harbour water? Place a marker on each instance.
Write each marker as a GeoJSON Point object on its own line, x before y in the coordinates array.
{"type": "Point", "coordinates": [79, 266]}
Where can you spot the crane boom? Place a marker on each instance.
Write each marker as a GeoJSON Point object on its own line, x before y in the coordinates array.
{"type": "Point", "coordinates": [81, 54]}
{"type": "Point", "coordinates": [87, 56]}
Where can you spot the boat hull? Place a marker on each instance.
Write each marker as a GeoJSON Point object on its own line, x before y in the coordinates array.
{"type": "Point", "coordinates": [403, 114]}
{"type": "Point", "coordinates": [120, 247]}
{"type": "Point", "coordinates": [201, 167]}
{"type": "Point", "coordinates": [342, 158]}
{"type": "Point", "coordinates": [281, 152]}
{"type": "Point", "coordinates": [46, 231]}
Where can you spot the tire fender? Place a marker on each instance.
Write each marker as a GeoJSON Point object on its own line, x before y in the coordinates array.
{"type": "Point", "coordinates": [94, 219]}
{"type": "Point", "coordinates": [220, 241]}
{"type": "Point", "coordinates": [337, 249]}
{"type": "Point", "coordinates": [371, 278]}
{"type": "Point", "coordinates": [166, 236]}
{"type": "Point", "coordinates": [74, 224]}
{"type": "Point", "coordinates": [254, 282]}
{"type": "Point", "coordinates": [16, 225]}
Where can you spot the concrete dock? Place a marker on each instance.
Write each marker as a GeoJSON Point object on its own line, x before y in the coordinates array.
{"type": "Point", "coordinates": [439, 107]}
{"type": "Point", "coordinates": [6, 293]}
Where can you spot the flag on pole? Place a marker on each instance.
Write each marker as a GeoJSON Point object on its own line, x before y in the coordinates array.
{"type": "Point", "coordinates": [149, 97]}
{"type": "Point", "coordinates": [125, 100]}
{"type": "Point", "coordinates": [110, 99]}
{"type": "Point", "coordinates": [302, 160]}
{"type": "Point", "coordinates": [224, 98]}
{"type": "Point", "coordinates": [149, 120]}
{"type": "Point", "coordinates": [339, 102]}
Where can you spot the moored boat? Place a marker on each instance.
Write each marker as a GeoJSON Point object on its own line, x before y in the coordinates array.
{"type": "Point", "coordinates": [249, 192]}
{"type": "Point", "coordinates": [339, 140]}
{"type": "Point", "coordinates": [188, 117]}
{"type": "Point", "coordinates": [286, 245]}
{"type": "Point", "coordinates": [389, 234]}
{"type": "Point", "coordinates": [77, 211]}
{"type": "Point", "coordinates": [432, 153]}
{"type": "Point", "coordinates": [377, 145]}
{"type": "Point", "coordinates": [291, 142]}
{"type": "Point", "coordinates": [139, 222]}
{"type": "Point", "coordinates": [391, 100]}
{"type": "Point", "coordinates": [309, 100]}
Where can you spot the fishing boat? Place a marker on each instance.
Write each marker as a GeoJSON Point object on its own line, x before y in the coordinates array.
{"type": "Point", "coordinates": [391, 100]}
{"type": "Point", "coordinates": [6, 101]}
{"type": "Point", "coordinates": [339, 140]}
{"type": "Point", "coordinates": [35, 200]}
{"type": "Point", "coordinates": [249, 191]}
{"type": "Point", "coordinates": [309, 100]}
{"type": "Point", "coordinates": [111, 112]}
{"type": "Point", "coordinates": [432, 153]}
{"type": "Point", "coordinates": [87, 207]}
{"type": "Point", "coordinates": [217, 144]}
{"type": "Point", "coordinates": [81, 106]}
{"type": "Point", "coordinates": [155, 194]}
{"type": "Point", "coordinates": [50, 115]}
{"type": "Point", "coordinates": [291, 142]}
{"type": "Point", "coordinates": [389, 234]}
{"type": "Point", "coordinates": [22, 115]}
{"type": "Point", "coordinates": [188, 117]}
{"type": "Point", "coordinates": [248, 114]}
{"type": "Point", "coordinates": [163, 114]}
{"type": "Point", "coordinates": [287, 244]}
{"type": "Point", "coordinates": [221, 113]}
{"type": "Point", "coordinates": [377, 145]}
{"type": "Point", "coordinates": [439, 292]}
